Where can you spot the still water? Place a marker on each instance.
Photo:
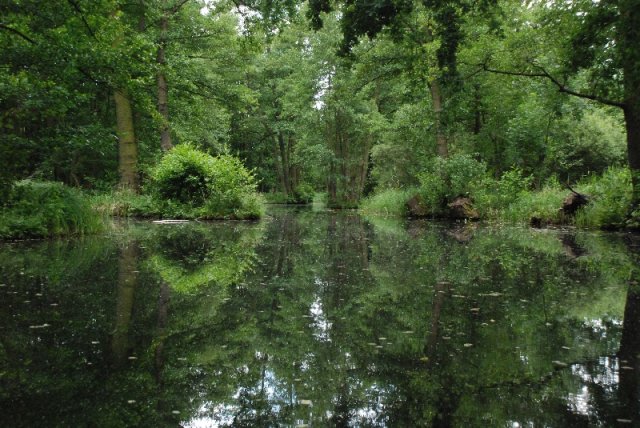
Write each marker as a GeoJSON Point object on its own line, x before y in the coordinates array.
{"type": "Point", "coordinates": [317, 318]}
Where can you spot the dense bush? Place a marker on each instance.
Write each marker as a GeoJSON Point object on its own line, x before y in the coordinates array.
{"type": "Point", "coordinates": [610, 199]}
{"type": "Point", "coordinates": [511, 199]}
{"type": "Point", "coordinates": [539, 207]}
{"type": "Point", "coordinates": [494, 196]}
{"type": "Point", "coordinates": [303, 194]}
{"type": "Point", "coordinates": [191, 183]}
{"type": "Point", "coordinates": [43, 209]}
{"type": "Point", "coordinates": [446, 179]}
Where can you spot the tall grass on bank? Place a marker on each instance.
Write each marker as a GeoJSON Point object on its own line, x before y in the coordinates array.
{"type": "Point", "coordinates": [511, 200]}
{"type": "Point", "coordinates": [389, 202]}
{"type": "Point", "coordinates": [46, 209]}
{"type": "Point", "coordinates": [610, 196]}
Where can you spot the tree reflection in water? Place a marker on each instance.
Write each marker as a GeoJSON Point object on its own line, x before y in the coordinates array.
{"type": "Point", "coordinates": [324, 319]}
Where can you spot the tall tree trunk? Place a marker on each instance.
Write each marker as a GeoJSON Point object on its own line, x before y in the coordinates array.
{"type": "Point", "coordinates": [278, 164]}
{"type": "Point", "coordinates": [629, 40]}
{"type": "Point", "coordinates": [127, 147]}
{"type": "Point", "coordinates": [442, 145]}
{"type": "Point", "coordinates": [632, 122]}
{"type": "Point", "coordinates": [286, 177]}
{"type": "Point", "coordinates": [163, 88]}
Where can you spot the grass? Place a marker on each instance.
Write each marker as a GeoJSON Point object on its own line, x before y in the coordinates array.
{"type": "Point", "coordinates": [125, 203]}
{"type": "Point", "coordinates": [502, 201]}
{"type": "Point", "coordinates": [543, 205]}
{"type": "Point", "coordinates": [610, 200]}
{"type": "Point", "coordinates": [46, 209]}
{"type": "Point", "coordinates": [389, 202]}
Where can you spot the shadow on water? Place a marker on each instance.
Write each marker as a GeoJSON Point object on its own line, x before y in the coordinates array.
{"type": "Point", "coordinates": [321, 318]}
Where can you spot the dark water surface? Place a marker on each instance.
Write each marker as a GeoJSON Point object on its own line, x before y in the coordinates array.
{"type": "Point", "coordinates": [312, 318]}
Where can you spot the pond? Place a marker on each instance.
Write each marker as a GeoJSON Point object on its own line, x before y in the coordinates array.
{"type": "Point", "coordinates": [320, 318]}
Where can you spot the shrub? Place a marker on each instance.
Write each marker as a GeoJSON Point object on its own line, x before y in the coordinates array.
{"type": "Point", "coordinates": [543, 205]}
{"type": "Point", "coordinates": [191, 183]}
{"type": "Point", "coordinates": [445, 179]}
{"type": "Point", "coordinates": [303, 194]}
{"type": "Point", "coordinates": [494, 196]}
{"type": "Point", "coordinates": [43, 209]}
{"type": "Point", "coordinates": [610, 199]}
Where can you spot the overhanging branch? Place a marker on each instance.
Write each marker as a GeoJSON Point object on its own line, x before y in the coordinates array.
{"type": "Point", "coordinates": [561, 86]}
{"type": "Point", "coordinates": [18, 33]}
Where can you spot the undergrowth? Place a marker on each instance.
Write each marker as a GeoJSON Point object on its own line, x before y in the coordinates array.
{"type": "Point", "coordinates": [511, 199]}
{"type": "Point", "coordinates": [46, 209]}
{"type": "Point", "coordinates": [190, 184]}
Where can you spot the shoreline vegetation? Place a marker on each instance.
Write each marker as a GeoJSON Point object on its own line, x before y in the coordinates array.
{"type": "Point", "coordinates": [185, 184]}
{"type": "Point", "coordinates": [511, 200]}
{"type": "Point", "coordinates": [49, 209]}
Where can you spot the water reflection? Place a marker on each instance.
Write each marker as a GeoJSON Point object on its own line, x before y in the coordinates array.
{"type": "Point", "coordinates": [321, 319]}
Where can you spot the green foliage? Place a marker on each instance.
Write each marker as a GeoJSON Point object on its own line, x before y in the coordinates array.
{"type": "Point", "coordinates": [445, 179]}
{"type": "Point", "coordinates": [544, 205]}
{"type": "Point", "coordinates": [494, 196]}
{"type": "Point", "coordinates": [589, 145]}
{"type": "Point", "coordinates": [388, 202]}
{"type": "Point", "coordinates": [125, 203]}
{"type": "Point", "coordinates": [610, 199]}
{"type": "Point", "coordinates": [191, 183]}
{"type": "Point", "coordinates": [44, 209]}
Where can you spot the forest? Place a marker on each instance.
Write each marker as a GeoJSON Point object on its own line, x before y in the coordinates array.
{"type": "Point", "coordinates": [492, 109]}
{"type": "Point", "coordinates": [342, 213]}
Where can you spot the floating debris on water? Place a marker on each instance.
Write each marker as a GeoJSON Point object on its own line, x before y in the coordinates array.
{"type": "Point", "coordinates": [131, 401]}
{"type": "Point", "coordinates": [45, 325]}
{"type": "Point", "coordinates": [468, 345]}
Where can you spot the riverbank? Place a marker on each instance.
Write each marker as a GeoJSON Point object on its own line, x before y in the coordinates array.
{"type": "Point", "coordinates": [510, 200]}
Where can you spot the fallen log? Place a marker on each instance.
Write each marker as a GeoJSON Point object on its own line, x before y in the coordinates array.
{"type": "Point", "coordinates": [574, 201]}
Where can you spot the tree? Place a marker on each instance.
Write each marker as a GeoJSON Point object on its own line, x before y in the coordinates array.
{"type": "Point", "coordinates": [434, 29]}
{"type": "Point", "coordinates": [598, 61]}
